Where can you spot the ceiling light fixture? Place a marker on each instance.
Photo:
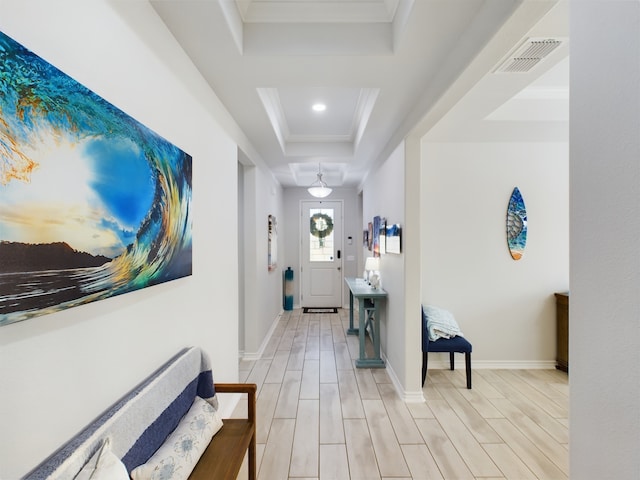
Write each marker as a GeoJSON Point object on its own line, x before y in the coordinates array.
{"type": "Point", "coordinates": [319, 188]}
{"type": "Point", "coordinates": [319, 107]}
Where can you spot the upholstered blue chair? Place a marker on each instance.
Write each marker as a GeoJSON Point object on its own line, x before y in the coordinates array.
{"type": "Point", "coordinates": [452, 345]}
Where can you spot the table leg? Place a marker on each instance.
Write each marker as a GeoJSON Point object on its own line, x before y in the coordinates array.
{"type": "Point", "coordinates": [376, 361]}
{"type": "Point", "coordinates": [376, 327]}
{"type": "Point", "coordinates": [351, 330]}
{"type": "Point", "coordinates": [362, 328]}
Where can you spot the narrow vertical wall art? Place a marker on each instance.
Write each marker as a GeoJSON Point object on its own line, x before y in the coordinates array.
{"type": "Point", "coordinates": [516, 225]}
{"type": "Point", "coordinates": [376, 235]}
{"type": "Point", "coordinates": [272, 255]}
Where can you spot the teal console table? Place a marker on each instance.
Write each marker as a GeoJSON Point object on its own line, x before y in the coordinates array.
{"type": "Point", "coordinates": [369, 302]}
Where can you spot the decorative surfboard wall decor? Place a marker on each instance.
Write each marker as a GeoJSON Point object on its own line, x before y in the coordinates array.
{"type": "Point", "coordinates": [516, 225]}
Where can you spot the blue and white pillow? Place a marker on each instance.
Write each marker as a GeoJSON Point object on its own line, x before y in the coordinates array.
{"type": "Point", "coordinates": [180, 452]}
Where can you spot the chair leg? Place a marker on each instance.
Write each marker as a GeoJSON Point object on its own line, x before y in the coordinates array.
{"type": "Point", "coordinates": [451, 364]}
{"type": "Point", "coordinates": [424, 367]}
{"type": "Point", "coordinates": [467, 360]}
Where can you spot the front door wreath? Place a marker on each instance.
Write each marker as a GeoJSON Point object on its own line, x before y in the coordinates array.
{"type": "Point", "coordinates": [321, 226]}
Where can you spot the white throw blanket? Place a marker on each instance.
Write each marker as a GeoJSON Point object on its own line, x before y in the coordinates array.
{"type": "Point", "coordinates": [441, 323]}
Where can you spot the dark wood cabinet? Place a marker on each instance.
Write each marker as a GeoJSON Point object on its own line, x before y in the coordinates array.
{"type": "Point", "coordinates": [562, 331]}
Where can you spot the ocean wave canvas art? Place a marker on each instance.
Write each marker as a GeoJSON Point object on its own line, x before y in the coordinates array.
{"type": "Point", "coordinates": [93, 204]}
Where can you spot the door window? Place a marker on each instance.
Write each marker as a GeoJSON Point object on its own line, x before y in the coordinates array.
{"type": "Point", "coordinates": [321, 241]}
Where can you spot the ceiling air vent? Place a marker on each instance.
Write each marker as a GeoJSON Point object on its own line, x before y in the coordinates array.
{"type": "Point", "coordinates": [528, 55]}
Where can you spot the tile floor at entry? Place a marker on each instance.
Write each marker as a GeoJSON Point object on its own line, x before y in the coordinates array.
{"type": "Point", "coordinates": [319, 417]}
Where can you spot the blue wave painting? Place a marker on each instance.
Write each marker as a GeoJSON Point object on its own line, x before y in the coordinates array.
{"type": "Point", "coordinates": [93, 204]}
{"type": "Point", "coordinates": [516, 225]}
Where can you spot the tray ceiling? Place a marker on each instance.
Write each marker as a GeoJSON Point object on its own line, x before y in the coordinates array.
{"type": "Point", "coordinates": [377, 65]}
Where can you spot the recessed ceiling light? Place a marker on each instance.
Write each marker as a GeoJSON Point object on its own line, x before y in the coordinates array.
{"type": "Point", "coordinates": [319, 107]}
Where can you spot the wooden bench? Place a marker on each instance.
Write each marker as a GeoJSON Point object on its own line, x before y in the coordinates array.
{"type": "Point", "coordinates": [235, 439]}
{"type": "Point", "coordinates": [138, 424]}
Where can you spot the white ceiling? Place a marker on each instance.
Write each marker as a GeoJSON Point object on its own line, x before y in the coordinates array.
{"type": "Point", "coordinates": [517, 107]}
{"type": "Point", "coordinates": [363, 11]}
{"type": "Point", "coordinates": [378, 65]}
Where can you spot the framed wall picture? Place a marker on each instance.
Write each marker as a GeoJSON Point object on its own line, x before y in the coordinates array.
{"type": "Point", "coordinates": [94, 204]}
{"type": "Point", "coordinates": [393, 238]}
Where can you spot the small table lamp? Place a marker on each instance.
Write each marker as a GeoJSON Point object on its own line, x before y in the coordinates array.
{"type": "Point", "coordinates": [371, 266]}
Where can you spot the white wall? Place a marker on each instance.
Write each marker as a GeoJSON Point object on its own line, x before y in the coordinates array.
{"type": "Point", "coordinates": [604, 327]}
{"type": "Point", "coordinates": [57, 372]}
{"type": "Point", "coordinates": [506, 308]}
{"type": "Point", "coordinates": [351, 228]}
{"type": "Point", "coordinates": [384, 195]}
{"type": "Point", "coordinates": [241, 258]}
{"type": "Point", "coordinates": [263, 288]}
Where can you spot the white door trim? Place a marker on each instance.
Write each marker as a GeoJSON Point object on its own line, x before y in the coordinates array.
{"type": "Point", "coordinates": [339, 242]}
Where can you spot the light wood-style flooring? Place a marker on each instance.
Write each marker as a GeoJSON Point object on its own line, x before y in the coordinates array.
{"type": "Point", "coordinates": [319, 417]}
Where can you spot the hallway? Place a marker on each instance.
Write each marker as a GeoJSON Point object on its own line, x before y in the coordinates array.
{"type": "Point", "coordinates": [321, 418]}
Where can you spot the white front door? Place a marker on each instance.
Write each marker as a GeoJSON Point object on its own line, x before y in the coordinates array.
{"type": "Point", "coordinates": [321, 237]}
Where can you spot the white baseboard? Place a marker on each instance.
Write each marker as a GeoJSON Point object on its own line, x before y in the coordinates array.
{"type": "Point", "coordinates": [405, 395]}
{"type": "Point", "coordinates": [258, 355]}
{"type": "Point", "coordinates": [408, 396]}
{"type": "Point", "coordinates": [443, 364]}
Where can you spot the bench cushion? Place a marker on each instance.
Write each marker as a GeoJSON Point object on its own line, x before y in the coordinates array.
{"type": "Point", "coordinates": [455, 344]}
{"type": "Point", "coordinates": [138, 423]}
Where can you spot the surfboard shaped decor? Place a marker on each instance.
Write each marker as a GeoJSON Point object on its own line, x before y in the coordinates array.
{"type": "Point", "coordinates": [516, 225]}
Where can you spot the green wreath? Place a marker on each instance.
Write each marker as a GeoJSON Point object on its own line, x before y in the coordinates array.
{"type": "Point", "coordinates": [321, 225]}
